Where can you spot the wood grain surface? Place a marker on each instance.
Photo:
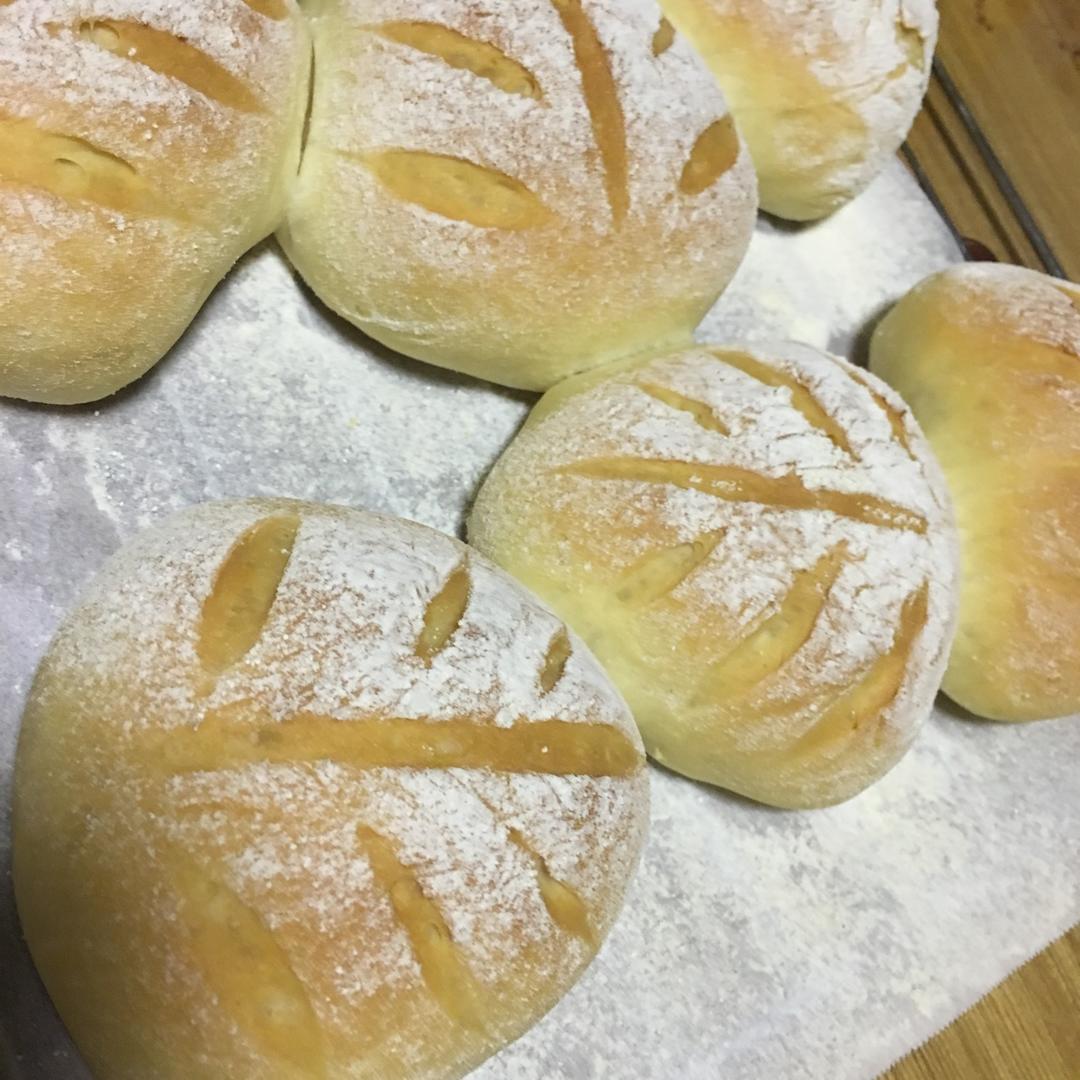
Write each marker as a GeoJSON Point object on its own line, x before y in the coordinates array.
{"type": "Point", "coordinates": [1007, 87]}
{"type": "Point", "coordinates": [1027, 1029]}
{"type": "Point", "coordinates": [998, 148]}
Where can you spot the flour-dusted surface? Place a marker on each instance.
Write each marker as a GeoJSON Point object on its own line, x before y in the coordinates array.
{"type": "Point", "coordinates": [753, 942]}
{"type": "Point", "coordinates": [289, 764]}
{"type": "Point", "coordinates": [146, 145]}
{"type": "Point", "coordinates": [655, 510]}
{"type": "Point", "coordinates": [825, 92]}
{"type": "Point", "coordinates": [525, 210]}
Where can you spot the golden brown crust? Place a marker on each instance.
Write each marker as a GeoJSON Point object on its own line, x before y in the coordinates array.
{"type": "Point", "coordinates": [824, 92]}
{"type": "Point", "coordinates": [989, 359]}
{"type": "Point", "coordinates": [142, 151]}
{"type": "Point", "coordinates": [307, 793]}
{"type": "Point", "coordinates": [761, 561]}
{"type": "Point", "coordinates": [517, 191]}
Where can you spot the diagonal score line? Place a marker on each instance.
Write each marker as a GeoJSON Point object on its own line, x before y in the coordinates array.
{"type": "Point", "coordinates": [248, 970]}
{"type": "Point", "coordinates": [556, 658]}
{"type": "Point", "coordinates": [455, 188]}
{"type": "Point", "coordinates": [457, 50]}
{"type": "Point", "coordinates": [894, 416]}
{"type": "Point", "coordinates": [743, 485]}
{"type": "Point", "coordinates": [563, 904]}
{"type": "Point", "coordinates": [602, 101]}
{"type": "Point", "coordinates": [873, 693]}
{"type": "Point", "coordinates": [779, 637]}
{"type": "Point", "coordinates": [75, 170]}
{"type": "Point", "coordinates": [172, 56]}
{"type": "Point", "coordinates": [444, 613]}
{"type": "Point", "coordinates": [802, 397]}
{"type": "Point", "coordinates": [235, 736]}
{"type": "Point", "coordinates": [444, 971]}
{"type": "Point", "coordinates": [702, 413]}
{"type": "Point", "coordinates": [238, 605]}
{"type": "Point", "coordinates": [660, 572]}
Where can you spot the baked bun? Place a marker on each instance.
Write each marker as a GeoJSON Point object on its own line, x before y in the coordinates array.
{"type": "Point", "coordinates": [757, 546]}
{"type": "Point", "coordinates": [144, 146]}
{"type": "Point", "coordinates": [304, 792]}
{"type": "Point", "coordinates": [825, 91]}
{"type": "Point", "coordinates": [989, 359]}
{"type": "Point", "coordinates": [516, 190]}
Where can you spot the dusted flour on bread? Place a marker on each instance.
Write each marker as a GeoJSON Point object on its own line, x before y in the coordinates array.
{"type": "Point", "coordinates": [328, 795]}
{"type": "Point", "coordinates": [516, 190]}
{"type": "Point", "coordinates": [989, 358]}
{"type": "Point", "coordinates": [824, 91]}
{"type": "Point", "coordinates": [759, 548]}
{"type": "Point", "coordinates": [144, 146]}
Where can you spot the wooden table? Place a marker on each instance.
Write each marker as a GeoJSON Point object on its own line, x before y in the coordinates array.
{"type": "Point", "coordinates": [998, 147]}
{"type": "Point", "coordinates": [999, 139]}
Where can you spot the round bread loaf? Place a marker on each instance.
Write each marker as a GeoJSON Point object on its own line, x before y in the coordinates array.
{"type": "Point", "coordinates": [824, 91]}
{"type": "Point", "coordinates": [989, 359]}
{"type": "Point", "coordinates": [144, 146]}
{"type": "Point", "coordinates": [756, 545]}
{"type": "Point", "coordinates": [516, 190]}
{"type": "Point", "coordinates": [304, 792]}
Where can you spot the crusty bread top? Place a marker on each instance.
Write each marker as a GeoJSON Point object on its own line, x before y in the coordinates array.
{"type": "Point", "coordinates": [144, 145]}
{"type": "Point", "coordinates": [989, 358]}
{"type": "Point", "coordinates": [524, 181]}
{"type": "Point", "coordinates": [732, 505]}
{"type": "Point", "coordinates": [356, 729]}
{"type": "Point", "coordinates": [825, 89]}
{"type": "Point", "coordinates": [159, 104]}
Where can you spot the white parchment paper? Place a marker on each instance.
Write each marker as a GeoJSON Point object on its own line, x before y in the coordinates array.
{"type": "Point", "coordinates": [755, 943]}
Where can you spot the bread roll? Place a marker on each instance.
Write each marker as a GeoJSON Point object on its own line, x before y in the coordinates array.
{"type": "Point", "coordinates": [516, 190]}
{"type": "Point", "coordinates": [304, 792]}
{"type": "Point", "coordinates": [757, 546]}
{"type": "Point", "coordinates": [824, 91]}
{"type": "Point", "coordinates": [989, 359]}
{"type": "Point", "coordinates": [144, 146]}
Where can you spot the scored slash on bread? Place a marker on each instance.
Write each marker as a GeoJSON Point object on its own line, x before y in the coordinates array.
{"type": "Point", "coordinates": [557, 182]}
{"type": "Point", "coordinates": [373, 807]}
{"type": "Point", "coordinates": [143, 149]}
{"type": "Point", "coordinates": [824, 92]}
{"type": "Point", "coordinates": [759, 548]}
